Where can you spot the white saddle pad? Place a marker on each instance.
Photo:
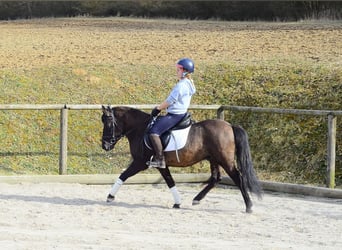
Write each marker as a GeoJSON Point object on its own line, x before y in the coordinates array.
{"type": "Point", "coordinates": [178, 139]}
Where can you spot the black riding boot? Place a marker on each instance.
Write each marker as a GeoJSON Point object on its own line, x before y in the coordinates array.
{"type": "Point", "coordinates": [158, 160]}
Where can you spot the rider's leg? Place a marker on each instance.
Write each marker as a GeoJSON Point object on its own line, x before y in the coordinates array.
{"type": "Point", "coordinates": [158, 159]}
{"type": "Point", "coordinates": [162, 124]}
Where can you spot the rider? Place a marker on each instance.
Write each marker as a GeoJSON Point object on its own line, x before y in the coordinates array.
{"type": "Point", "coordinates": [176, 105]}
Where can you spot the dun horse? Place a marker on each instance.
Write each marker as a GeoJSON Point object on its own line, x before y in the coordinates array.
{"type": "Point", "coordinates": [214, 140]}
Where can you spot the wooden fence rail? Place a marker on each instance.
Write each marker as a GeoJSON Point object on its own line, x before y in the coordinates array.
{"type": "Point", "coordinates": [331, 115]}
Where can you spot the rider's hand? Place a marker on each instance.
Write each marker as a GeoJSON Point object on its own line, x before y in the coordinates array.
{"type": "Point", "coordinates": [155, 112]}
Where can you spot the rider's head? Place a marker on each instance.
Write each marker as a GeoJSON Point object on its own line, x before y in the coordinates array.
{"type": "Point", "coordinates": [186, 65]}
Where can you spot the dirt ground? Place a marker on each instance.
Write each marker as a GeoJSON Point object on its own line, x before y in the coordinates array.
{"type": "Point", "coordinates": [74, 216]}
{"type": "Point", "coordinates": [50, 42]}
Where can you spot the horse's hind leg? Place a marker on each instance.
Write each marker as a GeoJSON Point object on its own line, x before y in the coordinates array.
{"type": "Point", "coordinates": [237, 179]}
{"type": "Point", "coordinates": [213, 180]}
{"type": "Point", "coordinates": [165, 172]}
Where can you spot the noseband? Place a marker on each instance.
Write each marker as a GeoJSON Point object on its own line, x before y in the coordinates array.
{"type": "Point", "coordinates": [112, 139]}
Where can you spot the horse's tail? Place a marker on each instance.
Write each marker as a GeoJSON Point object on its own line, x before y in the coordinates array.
{"type": "Point", "coordinates": [244, 161]}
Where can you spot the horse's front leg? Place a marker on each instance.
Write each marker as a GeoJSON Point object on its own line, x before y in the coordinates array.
{"type": "Point", "coordinates": [165, 172]}
{"type": "Point", "coordinates": [213, 180]}
{"type": "Point", "coordinates": [133, 169]}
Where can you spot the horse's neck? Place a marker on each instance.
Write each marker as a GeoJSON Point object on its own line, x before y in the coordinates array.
{"type": "Point", "coordinates": [138, 120]}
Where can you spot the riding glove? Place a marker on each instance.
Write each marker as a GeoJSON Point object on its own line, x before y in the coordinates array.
{"type": "Point", "coordinates": [155, 112]}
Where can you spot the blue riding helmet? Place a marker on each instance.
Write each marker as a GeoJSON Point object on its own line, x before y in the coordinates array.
{"type": "Point", "coordinates": [187, 64]}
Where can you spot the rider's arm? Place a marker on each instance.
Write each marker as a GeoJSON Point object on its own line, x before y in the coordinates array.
{"type": "Point", "coordinates": [163, 105]}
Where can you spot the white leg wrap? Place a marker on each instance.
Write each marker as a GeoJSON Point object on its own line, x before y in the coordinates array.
{"type": "Point", "coordinates": [175, 195]}
{"type": "Point", "coordinates": [115, 188]}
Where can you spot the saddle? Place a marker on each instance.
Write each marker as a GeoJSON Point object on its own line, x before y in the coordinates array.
{"type": "Point", "coordinates": [166, 136]}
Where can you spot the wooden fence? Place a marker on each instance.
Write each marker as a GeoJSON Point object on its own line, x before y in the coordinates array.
{"type": "Point", "coordinates": [330, 114]}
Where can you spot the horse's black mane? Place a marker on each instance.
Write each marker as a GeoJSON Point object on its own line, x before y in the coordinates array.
{"type": "Point", "coordinates": [136, 113]}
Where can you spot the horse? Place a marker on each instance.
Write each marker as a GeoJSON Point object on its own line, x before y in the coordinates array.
{"type": "Point", "coordinates": [217, 141]}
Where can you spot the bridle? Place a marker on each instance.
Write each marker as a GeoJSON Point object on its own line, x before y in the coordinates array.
{"type": "Point", "coordinates": [112, 138]}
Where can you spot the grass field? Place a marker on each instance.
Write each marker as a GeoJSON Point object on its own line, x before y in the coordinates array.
{"type": "Point", "coordinates": [131, 61]}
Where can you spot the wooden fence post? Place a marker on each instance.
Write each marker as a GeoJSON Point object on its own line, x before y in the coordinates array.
{"type": "Point", "coordinates": [63, 148]}
{"type": "Point", "coordinates": [331, 154]}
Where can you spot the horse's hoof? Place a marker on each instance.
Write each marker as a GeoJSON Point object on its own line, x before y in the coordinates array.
{"type": "Point", "coordinates": [176, 206]}
{"type": "Point", "coordinates": [195, 202]}
{"type": "Point", "coordinates": [110, 198]}
{"type": "Point", "coordinates": [249, 210]}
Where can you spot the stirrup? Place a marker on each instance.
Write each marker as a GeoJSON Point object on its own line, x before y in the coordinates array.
{"type": "Point", "coordinates": [155, 163]}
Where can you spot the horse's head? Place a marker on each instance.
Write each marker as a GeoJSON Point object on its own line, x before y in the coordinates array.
{"type": "Point", "coordinates": [122, 121]}
{"type": "Point", "coordinates": [111, 134]}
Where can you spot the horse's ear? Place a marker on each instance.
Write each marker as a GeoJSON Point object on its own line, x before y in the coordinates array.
{"type": "Point", "coordinates": [103, 108]}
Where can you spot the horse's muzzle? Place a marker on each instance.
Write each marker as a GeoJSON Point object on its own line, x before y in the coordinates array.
{"type": "Point", "coordinates": [107, 145]}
